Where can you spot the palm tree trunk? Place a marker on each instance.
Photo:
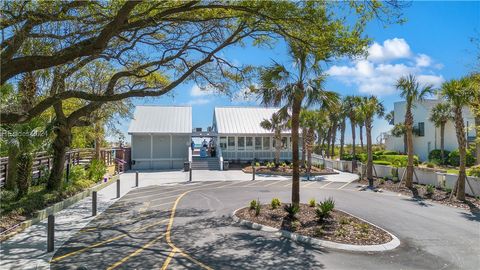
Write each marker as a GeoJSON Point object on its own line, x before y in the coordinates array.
{"type": "Point", "coordinates": [442, 142]}
{"type": "Point", "coordinates": [278, 146]}
{"type": "Point", "coordinates": [11, 179]}
{"type": "Point", "coordinates": [60, 144]}
{"type": "Point", "coordinates": [311, 138]}
{"type": "Point", "coordinates": [334, 136]}
{"type": "Point", "coordinates": [405, 143]}
{"type": "Point", "coordinates": [361, 136]}
{"type": "Point", "coordinates": [477, 143]}
{"type": "Point", "coordinates": [368, 128]}
{"type": "Point", "coordinates": [342, 138]}
{"type": "Point", "coordinates": [354, 153]}
{"type": "Point", "coordinates": [304, 150]}
{"type": "Point", "coordinates": [296, 107]}
{"type": "Point", "coordinates": [462, 142]}
{"type": "Point", "coordinates": [329, 136]}
{"type": "Point", "coordinates": [409, 133]}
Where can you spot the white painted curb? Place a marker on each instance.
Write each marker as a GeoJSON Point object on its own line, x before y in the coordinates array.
{"type": "Point", "coordinates": [395, 242]}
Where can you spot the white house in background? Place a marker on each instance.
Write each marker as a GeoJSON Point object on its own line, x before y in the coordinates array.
{"type": "Point", "coordinates": [428, 137]}
{"type": "Point", "coordinates": [241, 138]}
{"type": "Point", "coordinates": [160, 137]}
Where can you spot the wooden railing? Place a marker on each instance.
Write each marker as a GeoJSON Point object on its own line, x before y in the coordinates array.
{"type": "Point", "coordinates": [42, 163]}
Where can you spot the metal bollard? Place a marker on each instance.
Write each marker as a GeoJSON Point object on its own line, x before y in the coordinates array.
{"type": "Point", "coordinates": [118, 188]}
{"type": "Point", "coordinates": [253, 173]}
{"type": "Point", "coordinates": [136, 178]}
{"type": "Point", "coordinates": [94, 203]}
{"type": "Point", "coordinates": [50, 233]}
{"type": "Point", "coordinates": [190, 175]}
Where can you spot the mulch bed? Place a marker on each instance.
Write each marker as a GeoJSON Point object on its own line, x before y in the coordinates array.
{"type": "Point", "coordinates": [340, 227]}
{"type": "Point", "coordinates": [287, 170]}
{"type": "Point", "coordinates": [420, 192]}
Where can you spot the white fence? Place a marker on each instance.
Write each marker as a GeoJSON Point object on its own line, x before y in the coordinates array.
{"type": "Point", "coordinates": [423, 175]}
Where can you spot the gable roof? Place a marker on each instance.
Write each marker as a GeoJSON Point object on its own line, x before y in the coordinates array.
{"type": "Point", "coordinates": [242, 120]}
{"type": "Point", "coordinates": [161, 119]}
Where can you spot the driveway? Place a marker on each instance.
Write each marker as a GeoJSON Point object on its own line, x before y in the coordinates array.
{"type": "Point", "coordinates": [188, 226]}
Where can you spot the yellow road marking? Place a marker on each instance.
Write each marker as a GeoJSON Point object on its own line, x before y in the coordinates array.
{"type": "Point", "coordinates": [344, 185]}
{"type": "Point", "coordinates": [169, 258]}
{"type": "Point", "coordinates": [135, 253]}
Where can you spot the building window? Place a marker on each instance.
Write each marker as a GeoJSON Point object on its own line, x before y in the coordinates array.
{"type": "Point", "coordinates": [258, 143]}
{"type": "Point", "coordinates": [284, 143]}
{"type": "Point", "coordinates": [241, 143]}
{"type": "Point", "coordinates": [231, 143]}
{"type": "Point", "coordinates": [249, 143]}
{"type": "Point", "coordinates": [223, 143]}
{"type": "Point", "coordinates": [421, 129]}
{"type": "Point", "coordinates": [266, 143]}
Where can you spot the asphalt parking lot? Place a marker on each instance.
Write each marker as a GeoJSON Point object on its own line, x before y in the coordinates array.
{"type": "Point", "coordinates": [188, 226]}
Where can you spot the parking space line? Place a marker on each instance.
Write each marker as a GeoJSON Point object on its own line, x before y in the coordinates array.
{"type": "Point", "coordinates": [309, 184]}
{"type": "Point", "coordinates": [254, 182]}
{"type": "Point", "coordinates": [345, 185]}
{"type": "Point", "coordinates": [289, 184]}
{"type": "Point", "coordinates": [326, 184]}
{"type": "Point", "coordinates": [274, 182]}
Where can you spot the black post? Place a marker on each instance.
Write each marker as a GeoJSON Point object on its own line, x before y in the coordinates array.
{"type": "Point", "coordinates": [94, 203]}
{"type": "Point", "coordinates": [253, 172]}
{"type": "Point", "coordinates": [67, 173]}
{"type": "Point", "coordinates": [118, 188]}
{"type": "Point", "coordinates": [136, 178]}
{"type": "Point", "coordinates": [50, 233]}
{"type": "Point", "coordinates": [190, 174]}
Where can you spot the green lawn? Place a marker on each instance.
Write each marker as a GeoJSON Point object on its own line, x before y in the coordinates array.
{"type": "Point", "coordinates": [452, 171]}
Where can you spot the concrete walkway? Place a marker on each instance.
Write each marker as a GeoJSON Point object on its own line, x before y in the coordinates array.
{"type": "Point", "coordinates": [27, 250]}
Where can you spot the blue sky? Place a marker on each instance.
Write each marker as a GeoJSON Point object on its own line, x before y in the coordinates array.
{"type": "Point", "coordinates": [434, 44]}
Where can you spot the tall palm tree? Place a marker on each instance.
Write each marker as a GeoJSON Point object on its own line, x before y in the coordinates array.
{"type": "Point", "coordinates": [291, 89]}
{"type": "Point", "coordinates": [343, 118]}
{"type": "Point", "coordinates": [311, 120]}
{"type": "Point", "coordinates": [351, 104]}
{"type": "Point", "coordinates": [475, 106]}
{"type": "Point", "coordinates": [360, 122]}
{"type": "Point", "coordinates": [275, 124]}
{"type": "Point", "coordinates": [390, 117]}
{"type": "Point", "coordinates": [411, 90]}
{"type": "Point", "coordinates": [458, 94]}
{"type": "Point", "coordinates": [399, 130]}
{"type": "Point", "coordinates": [370, 107]}
{"type": "Point", "coordinates": [439, 116]}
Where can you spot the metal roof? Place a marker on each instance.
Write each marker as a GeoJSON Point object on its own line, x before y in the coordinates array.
{"type": "Point", "coordinates": [242, 120]}
{"type": "Point", "coordinates": [161, 119]}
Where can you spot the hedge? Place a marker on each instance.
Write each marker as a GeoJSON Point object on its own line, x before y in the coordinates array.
{"type": "Point", "coordinates": [398, 160]}
{"type": "Point", "coordinates": [474, 171]}
{"type": "Point", "coordinates": [436, 156]}
{"type": "Point", "coordinates": [382, 162]}
{"type": "Point", "coordinates": [454, 158]}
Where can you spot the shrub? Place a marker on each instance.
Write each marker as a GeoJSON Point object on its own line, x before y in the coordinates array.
{"type": "Point", "coordinates": [436, 156]}
{"type": "Point", "coordinates": [294, 225]}
{"type": "Point", "coordinates": [257, 164]}
{"type": "Point", "coordinates": [319, 231]}
{"type": "Point", "coordinates": [381, 181]}
{"type": "Point", "coordinates": [257, 208]}
{"type": "Point", "coordinates": [349, 157]}
{"type": "Point", "coordinates": [275, 203]}
{"type": "Point", "coordinates": [253, 204]}
{"type": "Point", "coordinates": [344, 221]}
{"type": "Point", "coordinates": [398, 160]}
{"type": "Point", "coordinates": [382, 162]}
{"type": "Point", "coordinates": [312, 202]}
{"type": "Point", "coordinates": [429, 189]}
{"type": "Point", "coordinates": [454, 158]}
{"type": "Point", "coordinates": [97, 170]}
{"type": "Point", "coordinates": [324, 208]}
{"type": "Point", "coordinates": [292, 210]}
{"type": "Point", "coordinates": [430, 165]}
{"type": "Point", "coordinates": [389, 152]}
{"type": "Point", "coordinates": [77, 173]}
{"type": "Point", "coordinates": [474, 171]}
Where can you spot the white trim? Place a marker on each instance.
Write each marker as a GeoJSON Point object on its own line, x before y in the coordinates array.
{"type": "Point", "coordinates": [158, 159]}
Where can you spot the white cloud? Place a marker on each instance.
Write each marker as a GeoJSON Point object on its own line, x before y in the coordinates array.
{"type": "Point", "coordinates": [396, 48]}
{"type": "Point", "coordinates": [377, 74]}
{"type": "Point", "coordinates": [197, 91]}
{"type": "Point", "coordinates": [423, 60]}
{"type": "Point", "coordinates": [199, 101]}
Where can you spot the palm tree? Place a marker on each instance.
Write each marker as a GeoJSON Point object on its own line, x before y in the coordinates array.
{"type": "Point", "coordinates": [440, 114]}
{"type": "Point", "coordinates": [276, 125]}
{"type": "Point", "coordinates": [390, 117]}
{"type": "Point", "coordinates": [311, 120]}
{"type": "Point", "coordinates": [458, 94]}
{"type": "Point", "coordinates": [360, 122]}
{"type": "Point", "coordinates": [399, 130]}
{"type": "Point", "coordinates": [279, 86]}
{"type": "Point", "coordinates": [343, 118]}
{"type": "Point", "coordinates": [370, 107]}
{"type": "Point", "coordinates": [413, 92]}
{"type": "Point", "coordinates": [351, 104]}
{"type": "Point", "coordinates": [475, 106]}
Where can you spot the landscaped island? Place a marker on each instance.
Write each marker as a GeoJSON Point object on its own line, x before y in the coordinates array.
{"type": "Point", "coordinates": [286, 169]}
{"type": "Point", "coordinates": [320, 221]}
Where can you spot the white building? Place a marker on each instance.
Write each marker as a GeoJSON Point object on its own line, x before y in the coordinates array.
{"type": "Point", "coordinates": [428, 137]}
{"type": "Point", "coordinates": [160, 137]}
{"type": "Point", "coordinates": [241, 138]}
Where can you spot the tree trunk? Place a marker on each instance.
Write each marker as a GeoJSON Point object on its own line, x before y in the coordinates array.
{"type": "Point", "coordinates": [368, 128]}
{"type": "Point", "coordinates": [405, 143]}
{"type": "Point", "coordinates": [62, 141]}
{"type": "Point", "coordinates": [342, 137]}
{"type": "Point", "coordinates": [462, 144]}
{"type": "Point", "coordinates": [11, 179]}
{"type": "Point", "coordinates": [310, 142]}
{"type": "Point", "coordinates": [334, 137]}
{"type": "Point", "coordinates": [361, 136]}
{"type": "Point", "coordinates": [278, 146]}
{"type": "Point", "coordinates": [354, 158]}
{"type": "Point", "coordinates": [304, 150]}
{"type": "Point", "coordinates": [24, 174]}
{"type": "Point", "coordinates": [329, 140]}
{"type": "Point", "coordinates": [296, 107]}
{"type": "Point", "coordinates": [409, 133]}
{"type": "Point", "coordinates": [442, 142]}
{"type": "Point", "coordinates": [477, 141]}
